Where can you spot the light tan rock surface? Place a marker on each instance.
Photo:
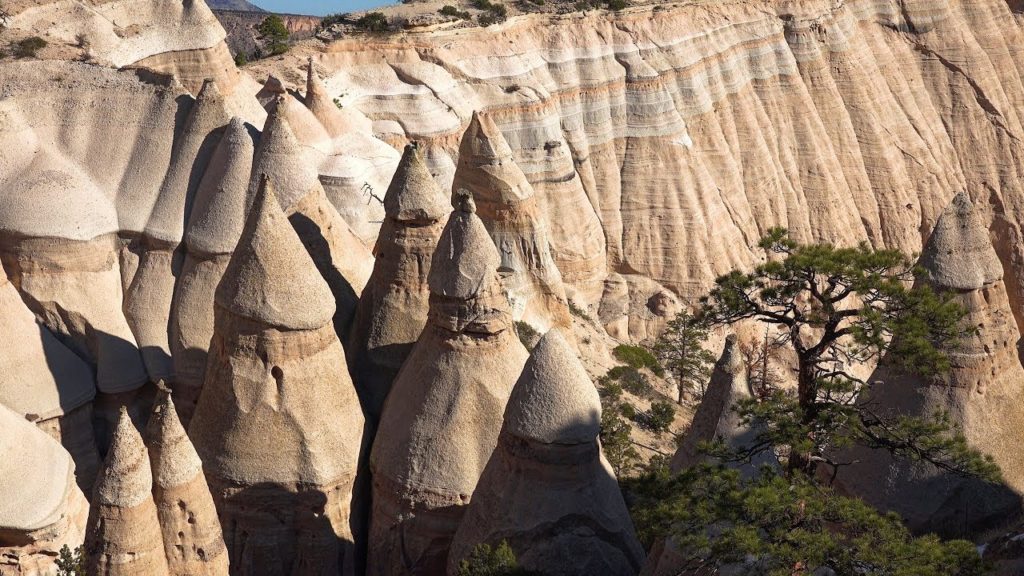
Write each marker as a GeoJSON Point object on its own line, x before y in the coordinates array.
{"type": "Point", "coordinates": [42, 508]}
{"type": "Point", "coordinates": [442, 418]}
{"type": "Point", "coordinates": [214, 226]}
{"type": "Point", "coordinates": [278, 425]}
{"type": "Point", "coordinates": [547, 489]}
{"type": "Point", "coordinates": [394, 305]}
{"type": "Point", "coordinates": [688, 129]}
{"type": "Point", "coordinates": [46, 383]}
{"type": "Point", "coordinates": [979, 393]}
{"type": "Point", "coordinates": [123, 536]}
{"type": "Point", "coordinates": [192, 537]}
{"type": "Point", "coordinates": [508, 207]}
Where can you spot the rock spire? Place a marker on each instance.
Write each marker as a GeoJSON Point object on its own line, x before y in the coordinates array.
{"type": "Point", "coordinates": [193, 542]}
{"type": "Point", "coordinates": [547, 489]}
{"type": "Point", "coordinates": [214, 226]}
{"type": "Point", "coordinates": [278, 425]}
{"type": "Point", "coordinates": [123, 535]}
{"type": "Point", "coordinates": [441, 420]}
{"type": "Point", "coordinates": [394, 305]}
{"type": "Point", "coordinates": [980, 393]}
{"type": "Point", "coordinates": [508, 207]}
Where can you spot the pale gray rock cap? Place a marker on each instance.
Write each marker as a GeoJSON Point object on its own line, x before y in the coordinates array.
{"type": "Point", "coordinates": [222, 201]}
{"type": "Point", "coordinates": [959, 255]}
{"type": "Point", "coordinates": [280, 156]}
{"type": "Point", "coordinates": [174, 460]}
{"type": "Point", "coordinates": [271, 278]}
{"type": "Point", "coordinates": [34, 473]}
{"type": "Point", "coordinates": [466, 258]}
{"type": "Point", "coordinates": [413, 194]}
{"type": "Point", "coordinates": [126, 479]}
{"type": "Point", "coordinates": [554, 400]}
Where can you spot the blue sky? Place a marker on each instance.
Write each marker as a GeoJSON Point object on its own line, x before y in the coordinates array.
{"type": "Point", "coordinates": [319, 7]}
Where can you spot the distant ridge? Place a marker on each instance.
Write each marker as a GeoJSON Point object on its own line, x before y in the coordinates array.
{"type": "Point", "coordinates": [240, 5]}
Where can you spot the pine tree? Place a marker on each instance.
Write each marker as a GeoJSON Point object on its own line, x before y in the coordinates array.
{"type": "Point", "coordinates": [680, 351]}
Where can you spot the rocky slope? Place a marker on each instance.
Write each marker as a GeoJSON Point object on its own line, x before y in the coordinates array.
{"type": "Point", "coordinates": [663, 140]}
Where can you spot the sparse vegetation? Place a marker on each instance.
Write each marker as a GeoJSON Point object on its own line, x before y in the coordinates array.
{"type": "Point", "coordinates": [241, 59]}
{"type": "Point", "coordinates": [29, 47]}
{"type": "Point", "coordinates": [274, 34]}
{"type": "Point", "coordinates": [494, 12]}
{"type": "Point", "coordinates": [373, 22]}
{"type": "Point", "coordinates": [615, 5]}
{"type": "Point", "coordinates": [527, 334]}
{"type": "Point", "coordinates": [659, 418]}
{"type": "Point", "coordinates": [615, 429]}
{"type": "Point", "coordinates": [578, 312]}
{"type": "Point", "coordinates": [637, 357]}
{"type": "Point", "coordinates": [631, 379]}
{"type": "Point", "coordinates": [486, 560]}
{"type": "Point", "coordinates": [331, 20]}
{"type": "Point", "coordinates": [453, 12]}
{"type": "Point", "coordinates": [680, 349]}
{"type": "Point", "coordinates": [70, 563]}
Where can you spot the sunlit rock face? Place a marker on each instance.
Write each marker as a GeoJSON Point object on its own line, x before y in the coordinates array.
{"type": "Point", "coordinates": [278, 426]}
{"type": "Point", "coordinates": [441, 420]}
{"type": "Point", "coordinates": [394, 305]}
{"type": "Point", "coordinates": [979, 393]}
{"type": "Point", "coordinates": [547, 490]}
{"type": "Point", "coordinates": [42, 508]}
{"type": "Point", "coordinates": [507, 205]}
{"type": "Point", "coordinates": [663, 141]}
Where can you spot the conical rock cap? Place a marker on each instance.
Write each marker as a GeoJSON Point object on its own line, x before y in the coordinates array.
{"type": "Point", "coordinates": [554, 401]}
{"type": "Point", "coordinates": [486, 168]}
{"type": "Point", "coordinates": [280, 156]}
{"type": "Point", "coordinates": [34, 475]}
{"type": "Point", "coordinates": [174, 460]}
{"type": "Point", "coordinates": [222, 200]}
{"type": "Point", "coordinates": [466, 258]}
{"type": "Point", "coordinates": [271, 278]}
{"type": "Point", "coordinates": [320, 103]}
{"type": "Point", "coordinates": [126, 479]}
{"type": "Point", "coordinates": [959, 255]}
{"type": "Point", "coordinates": [413, 194]}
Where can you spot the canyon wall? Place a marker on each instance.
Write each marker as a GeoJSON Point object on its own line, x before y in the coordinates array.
{"type": "Point", "coordinates": [664, 140]}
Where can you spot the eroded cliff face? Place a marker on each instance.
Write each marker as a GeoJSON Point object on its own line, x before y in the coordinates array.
{"type": "Point", "coordinates": [664, 140]}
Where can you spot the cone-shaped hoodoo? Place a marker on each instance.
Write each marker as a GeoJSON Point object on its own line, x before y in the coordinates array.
{"type": "Point", "coordinates": [214, 226]}
{"type": "Point", "coordinates": [193, 542]}
{"type": "Point", "coordinates": [981, 393]}
{"type": "Point", "coordinates": [441, 420]}
{"type": "Point", "coordinates": [547, 489]}
{"type": "Point", "coordinates": [394, 306]}
{"type": "Point", "coordinates": [123, 536]}
{"type": "Point", "coordinates": [278, 425]}
{"type": "Point", "coordinates": [42, 508]}
{"type": "Point", "coordinates": [508, 207]}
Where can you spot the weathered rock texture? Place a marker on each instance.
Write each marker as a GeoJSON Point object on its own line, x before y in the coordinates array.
{"type": "Point", "coordinates": [441, 421]}
{"type": "Point", "coordinates": [214, 226]}
{"type": "Point", "coordinates": [123, 535]}
{"type": "Point", "coordinates": [508, 207]}
{"type": "Point", "coordinates": [547, 489]}
{"type": "Point", "coordinates": [193, 542]}
{"type": "Point", "coordinates": [662, 141]}
{"type": "Point", "coordinates": [46, 383]}
{"type": "Point", "coordinates": [393, 308]}
{"type": "Point", "coordinates": [278, 425]}
{"type": "Point", "coordinates": [42, 509]}
{"type": "Point", "coordinates": [715, 421]}
{"type": "Point", "coordinates": [980, 393]}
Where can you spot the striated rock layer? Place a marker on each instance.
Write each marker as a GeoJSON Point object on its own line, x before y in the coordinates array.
{"type": "Point", "coordinates": [278, 425]}
{"type": "Point", "coordinates": [980, 393]}
{"type": "Point", "coordinates": [442, 418]}
{"type": "Point", "coordinates": [508, 207]}
{"type": "Point", "coordinates": [42, 509]}
{"type": "Point", "coordinates": [394, 305]}
{"type": "Point", "coordinates": [547, 489]}
{"type": "Point", "coordinates": [193, 542]}
{"type": "Point", "coordinates": [664, 140]}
